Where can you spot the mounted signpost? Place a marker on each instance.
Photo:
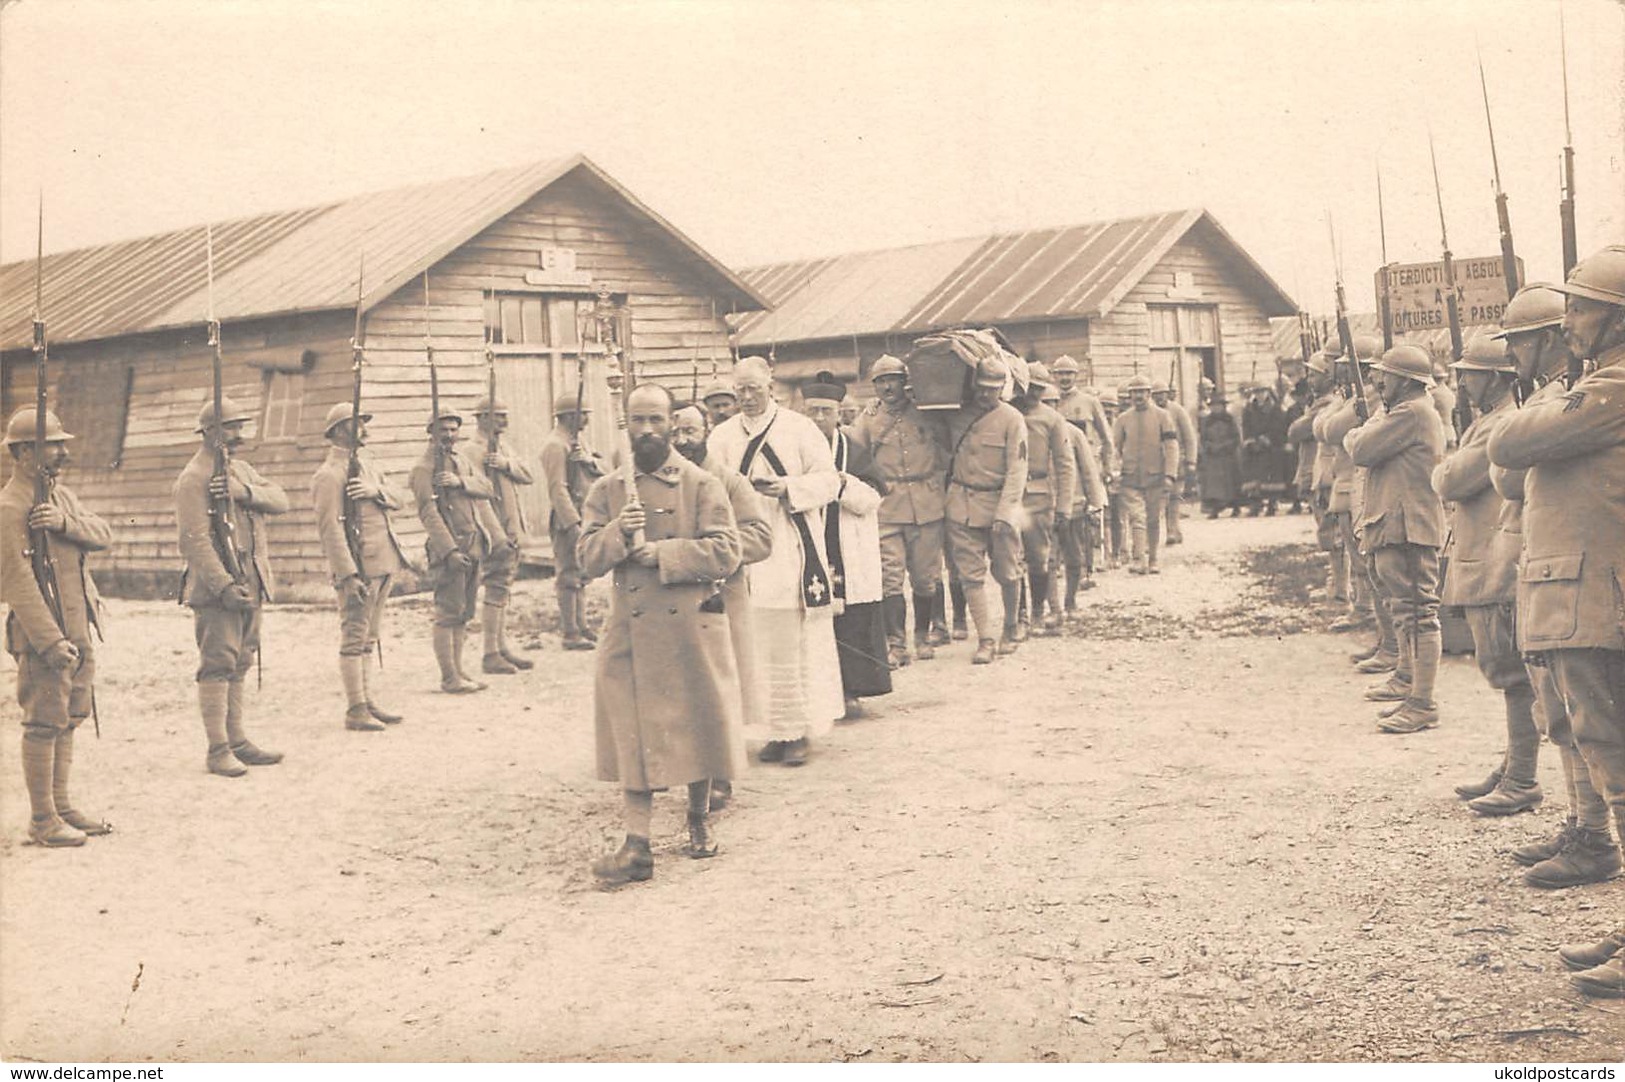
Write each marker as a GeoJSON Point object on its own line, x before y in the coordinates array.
{"type": "Point", "coordinates": [1416, 293]}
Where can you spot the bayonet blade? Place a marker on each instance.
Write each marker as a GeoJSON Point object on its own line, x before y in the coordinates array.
{"type": "Point", "coordinates": [1495, 160]}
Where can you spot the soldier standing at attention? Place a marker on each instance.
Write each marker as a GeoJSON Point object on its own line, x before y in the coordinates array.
{"type": "Point", "coordinates": [987, 476]}
{"type": "Point", "coordinates": [1582, 851]}
{"type": "Point", "coordinates": [666, 698]}
{"type": "Point", "coordinates": [1574, 554]}
{"type": "Point", "coordinates": [569, 468]}
{"type": "Point", "coordinates": [1148, 452]}
{"type": "Point", "coordinates": [363, 588]}
{"type": "Point", "coordinates": [1162, 396]}
{"type": "Point", "coordinates": [226, 610]}
{"type": "Point", "coordinates": [56, 663]}
{"type": "Point", "coordinates": [1402, 523]}
{"type": "Point", "coordinates": [453, 498]}
{"type": "Point", "coordinates": [905, 451]}
{"type": "Point", "coordinates": [1482, 577]}
{"type": "Point", "coordinates": [1052, 483]}
{"type": "Point", "coordinates": [505, 473]}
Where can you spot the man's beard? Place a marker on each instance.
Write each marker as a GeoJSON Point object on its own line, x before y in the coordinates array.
{"type": "Point", "coordinates": [649, 452]}
{"type": "Point", "coordinates": [694, 452]}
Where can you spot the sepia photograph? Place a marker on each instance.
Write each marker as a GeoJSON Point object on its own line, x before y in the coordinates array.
{"type": "Point", "coordinates": [812, 531]}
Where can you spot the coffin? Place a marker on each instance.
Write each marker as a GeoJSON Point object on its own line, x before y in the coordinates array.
{"type": "Point", "coordinates": [939, 379]}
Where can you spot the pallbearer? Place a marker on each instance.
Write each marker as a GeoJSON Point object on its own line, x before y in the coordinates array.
{"type": "Point", "coordinates": [505, 472]}
{"type": "Point", "coordinates": [1052, 482]}
{"type": "Point", "coordinates": [226, 607]}
{"type": "Point", "coordinates": [453, 498]}
{"type": "Point", "coordinates": [364, 587]}
{"type": "Point", "coordinates": [1402, 524]}
{"type": "Point", "coordinates": [56, 661]}
{"type": "Point", "coordinates": [1482, 575]}
{"type": "Point", "coordinates": [904, 446]}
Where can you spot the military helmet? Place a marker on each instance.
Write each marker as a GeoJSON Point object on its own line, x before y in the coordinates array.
{"type": "Point", "coordinates": [339, 412]}
{"type": "Point", "coordinates": [230, 411]}
{"type": "Point", "coordinates": [1534, 307]}
{"type": "Point", "coordinates": [992, 372]}
{"type": "Point", "coordinates": [1319, 362]}
{"type": "Point", "coordinates": [1333, 349]}
{"type": "Point", "coordinates": [1160, 386]}
{"type": "Point", "coordinates": [1367, 347]}
{"type": "Point", "coordinates": [1412, 362]}
{"type": "Point", "coordinates": [714, 389]}
{"type": "Point", "coordinates": [1137, 382]}
{"type": "Point", "coordinates": [887, 365]}
{"type": "Point", "coordinates": [483, 407]}
{"type": "Point", "coordinates": [1599, 277]}
{"type": "Point", "coordinates": [1038, 374]}
{"type": "Point", "coordinates": [1050, 395]}
{"type": "Point", "coordinates": [21, 427]}
{"type": "Point", "coordinates": [447, 413]}
{"type": "Point", "coordinates": [1485, 353]}
{"type": "Point", "coordinates": [573, 402]}
{"type": "Point", "coordinates": [1065, 363]}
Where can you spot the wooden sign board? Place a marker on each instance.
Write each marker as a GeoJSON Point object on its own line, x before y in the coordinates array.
{"type": "Point", "coordinates": [1416, 293]}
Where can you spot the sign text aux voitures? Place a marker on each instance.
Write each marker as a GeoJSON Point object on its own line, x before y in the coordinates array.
{"type": "Point", "coordinates": [1416, 293]}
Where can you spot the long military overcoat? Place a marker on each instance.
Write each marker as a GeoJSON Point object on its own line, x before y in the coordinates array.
{"type": "Point", "coordinates": [666, 699]}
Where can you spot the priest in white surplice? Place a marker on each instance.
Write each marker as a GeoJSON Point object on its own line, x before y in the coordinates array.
{"type": "Point", "coordinates": [788, 461]}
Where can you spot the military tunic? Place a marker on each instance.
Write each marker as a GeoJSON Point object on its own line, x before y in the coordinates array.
{"type": "Point", "coordinates": [360, 618]}
{"type": "Point", "coordinates": [503, 565]}
{"type": "Point", "coordinates": [987, 481]}
{"type": "Point", "coordinates": [456, 520]}
{"type": "Point", "coordinates": [905, 447]}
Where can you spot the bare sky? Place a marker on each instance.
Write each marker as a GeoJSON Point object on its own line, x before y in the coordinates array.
{"type": "Point", "coordinates": [775, 129]}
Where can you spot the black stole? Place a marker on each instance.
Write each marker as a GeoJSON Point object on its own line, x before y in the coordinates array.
{"type": "Point", "coordinates": [815, 585]}
{"type": "Point", "coordinates": [832, 523]}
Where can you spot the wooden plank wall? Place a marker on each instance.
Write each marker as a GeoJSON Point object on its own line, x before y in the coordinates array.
{"type": "Point", "coordinates": [1121, 340]}
{"type": "Point", "coordinates": [671, 320]}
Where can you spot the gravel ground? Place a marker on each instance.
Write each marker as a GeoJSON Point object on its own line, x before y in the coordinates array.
{"type": "Point", "coordinates": [1175, 834]}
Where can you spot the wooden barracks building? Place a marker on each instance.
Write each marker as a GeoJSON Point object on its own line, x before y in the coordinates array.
{"type": "Point", "coordinates": [1171, 295]}
{"type": "Point", "coordinates": [515, 254]}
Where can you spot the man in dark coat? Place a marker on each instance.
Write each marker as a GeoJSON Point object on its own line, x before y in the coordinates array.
{"type": "Point", "coordinates": [1218, 463]}
{"type": "Point", "coordinates": [1263, 438]}
{"type": "Point", "coordinates": [666, 698]}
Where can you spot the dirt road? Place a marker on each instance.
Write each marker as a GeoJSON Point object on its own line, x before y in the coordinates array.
{"type": "Point", "coordinates": [1175, 835]}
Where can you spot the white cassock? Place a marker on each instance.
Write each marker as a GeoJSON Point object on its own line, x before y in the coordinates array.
{"type": "Point", "coordinates": [795, 636]}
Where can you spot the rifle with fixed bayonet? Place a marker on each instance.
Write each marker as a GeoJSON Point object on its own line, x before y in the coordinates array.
{"type": "Point", "coordinates": [39, 550]}
{"type": "Point", "coordinates": [493, 439]}
{"type": "Point", "coordinates": [351, 513]}
{"type": "Point", "coordinates": [1355, 387]}
{"type": "Point", "coordinates": [1384, 307]}
{"type": "Point", "coordinates": [1463, 414]}
{"type": "Point", "coordinates": [1509, 258]}
{"type": "Point", "coordinates": [222, 528]}
{"type": "Point", "coordinates": [437, 449]}
{"type": "Point", "coordinates": [1565, 208]}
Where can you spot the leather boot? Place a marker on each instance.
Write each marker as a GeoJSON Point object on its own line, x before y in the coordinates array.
{"type": "Point", "coordinates": [984, 653]}
{"type": "Point", "coordinates": [241, 746]}
{"type": "Point", "coordinates": [893, 614]}
{"type": "Point", "coordinates": [459, 640]}
{"type": "Point", "coordinates": [368, 661]}
{"type": "Point", "coordinates": [445, 646]}
{"type": "Point", "coordinates": [1535, 852]}
{"type": "Point", "coordinates": [45, 826]}
{"type": "Point", "coordinates": [61, 768]}
{"type": "Point", "coordinates": [220, 760]}
{"type": "Point", "coordinates": [1411, 717]}
{"type": "Point", "coordinates": [1508, 798]}
{"type": "Point", "coordinates": [1365, 654]}
{"type": "Point", "coordinates": [1073, 576]}
{"type": "Point", "coordinates": [1046, 622]}
{"type": "Point", "coordinates": [924, 648]}
{"type": "Point", "coordinates": [1476, 789]}
{"type": "Point", "coordinates": [583, 625]}
{"type": "Point", "coordinates": [939, 635]}
{"type": "Point", "coordinates": [1579, 956]}
{"type": "Point", "coordinates": [956, 591]}
{"type": "Point", "coordinates": [357, 716]}
{"type": "Point", "coordinates": [1380, 661]}
{"type": "Point", "coordinates": [632, 863]}
{"type": "Point", "coordinates": [491, 660]}
{"type": "Point", "coordinates": [569, 620]}
{"type": "Point", "coordinates": [700, 843]}
{"type": "Point", "coordinates": [1590, 857]}
{"type": "Point", "coordinates": [1392, 690]}
{"type": "Point", "coordinates": [795, 752]}
{"type": "Point", "coordinates": [1606, 981]}
{"type": "Point", "coordinates": [1349, 621]}
{"type": "Point", "coordinates": [509, 654]}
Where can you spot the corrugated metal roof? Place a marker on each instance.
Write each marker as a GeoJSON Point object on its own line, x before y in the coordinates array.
{"type": "Point", "coordinates": [1072, 272]}
{"type": "Point", "coordinates": [294, 261]}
